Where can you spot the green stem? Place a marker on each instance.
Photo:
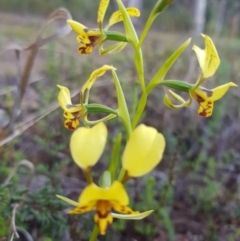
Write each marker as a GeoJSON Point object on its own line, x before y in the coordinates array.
{"type": "Point", "coordinates": [121, 175]}
{"type": "Point", "coordinates": [88, 175]}
{"type": "Point", "coordinates": [140, 108]}
{"type": "Point", "coordinates": [94, 234]}
{"type": "Point", "coordinates": [198, 83]}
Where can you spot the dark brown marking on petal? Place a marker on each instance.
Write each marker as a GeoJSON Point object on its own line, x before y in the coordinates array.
{"type": "Point", "coordinates": [203, 113]}
{"type": "Point", "coordinates": [82, 50]}
{"type": "Point", "coordinates": [103, 215]}
{"type": "Point", "coordinates": [199, 99]}
{"type": "Point", "coordinates": [93, 39]}
{"type": "Point", "coordinates": [70, 126]}
{"type": "Point", "coordinates": [207, 91]}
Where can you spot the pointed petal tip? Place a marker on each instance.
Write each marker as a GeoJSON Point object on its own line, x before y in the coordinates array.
{"type": "Point", "coordinates": [137, 216]}
{"type": "Point", "coordinates": [70, 22]}
{"type": "Point", "coordinates": [233, 84]}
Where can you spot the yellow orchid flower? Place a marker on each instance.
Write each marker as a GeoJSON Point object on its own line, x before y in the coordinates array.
{"type": "Point", "coordinates": [206, 97]}
{"type": "Point", "coordinates": [87, 145]}
{"type": "Point", "coordinates": [72, 113]}
{"type": "Point", "coordinates": [209, 62]}
{"type": "Point", "coordinates": [103, 200]}
{"type": "Point", "coordinates": [88, 38]}
{"type": "Point", "coordinates": [208, 58]}
{"type": "Point", "coordinates": [143, 151]}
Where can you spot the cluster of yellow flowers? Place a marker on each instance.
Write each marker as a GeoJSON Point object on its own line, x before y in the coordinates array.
{"type": "Point", "coordinates": [142, 153]}
{"type": "Point", "coordinates": [145, 145]}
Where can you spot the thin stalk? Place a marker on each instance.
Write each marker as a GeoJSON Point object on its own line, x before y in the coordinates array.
{"type": "Point", "coordinates": [94, 233]}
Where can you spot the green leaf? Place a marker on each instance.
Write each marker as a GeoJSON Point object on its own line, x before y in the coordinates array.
{"type": "Point", "coordinates": [168, 224]}
{"type": "Point", "coordinates": [129, 28]}
{"type": "Point", "coordinates": [137, 216]}
{"type": "Point", "coordinates": [138, 60]}
{"type": "Point", "coordinates": [122, 105]}
{"type": "Point", "coordinates": [115, 156]}
{"type": "Point", "coordinates": [159, 76]}
{"type": "Point", "coordinates": [158, 8]}
{"type": "Point", "coordinates": [177, 85]}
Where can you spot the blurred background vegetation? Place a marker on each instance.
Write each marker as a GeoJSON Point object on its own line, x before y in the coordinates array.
{"type": "Point", "coordinates": [195, 191]}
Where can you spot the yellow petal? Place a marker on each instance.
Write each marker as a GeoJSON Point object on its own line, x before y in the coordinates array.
{"type": "Point", "coordinates": [143, 151]}
{"type": "Point", "coordinates": [122, 208]}
{"type": "Point", "coordinates": [95, 74]}
{"type": "Point", "coordinates": [102, 10]}
{"type": "Point", "coordinates": [64, 99]}
{"type": "Point", "coordinates": [208, 58]}
{"type": "Point", "coordinates": [220, 91]}
{"type": "Point", "coordinates": [103, 217]}
{"type": "Point", "coordinates": [79, 209]}
{"type": "Point", "coordinates": [136, 216]}
{"type": "Point", "coordinates": [81, 30]}
{"type": "Point", "coordinates": [71, 124]}
{"type": "Point", "coordinates": [115, 192]}
{"type": "Point", "coordinates": [85, 49]}
{"type": "Point", "coordinates": [204, 98]}
{"type": "Point", "coordinates": [117, 16]}
{"type": "Point", "coordinates": [84, 208]}
{"type": "Point", "coordinates": [87, 145]}
{"type": "Point", "coordinates": [205, 108]}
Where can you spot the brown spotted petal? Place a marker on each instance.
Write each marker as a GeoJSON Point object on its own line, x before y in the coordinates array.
{"type": "Point", "coordinates": [206, 97]}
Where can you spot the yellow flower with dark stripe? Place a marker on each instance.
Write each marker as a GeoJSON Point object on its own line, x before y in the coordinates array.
{"type": "Point", "coordinates": [206, 97]}
{"type": "Point", "coordinates": [209, 62]}
{"type": "Point", "coordinates": [142, 153]}
{"type": "Point", "coordinates": [103, 200]}
{"type": "Point", "coordinates": [72, 113]}
{"type": "Point", "coordinates": [89, 38]}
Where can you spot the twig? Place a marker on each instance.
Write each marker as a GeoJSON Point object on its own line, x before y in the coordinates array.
{"type": "Point", "coordinates": [18, 205]}
{"type": "Point", "coordinates": [14, 170]}
{"type": "Point", "coordinates": [14, 229]}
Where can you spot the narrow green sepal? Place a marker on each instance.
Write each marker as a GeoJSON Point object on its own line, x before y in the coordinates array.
{"type": "Point", "coordinates": [112, 49]}
{"type": "Point", "coordinates": [177, 85]}
{"type": "Point", "coordinates": [105, 180]}
{"type": "Point", "coordinates": [115, 36]}
{"type": "Point", "coordinates": [98, 108]}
